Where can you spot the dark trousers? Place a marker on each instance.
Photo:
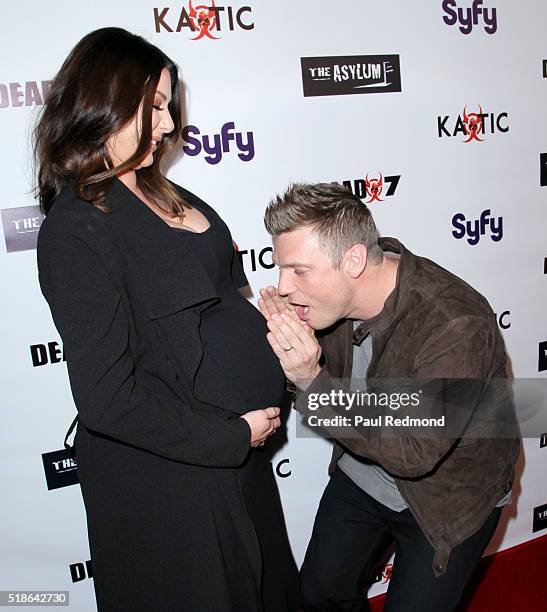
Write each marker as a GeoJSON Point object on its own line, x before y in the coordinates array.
{"type": "Point", "coordinates": [351, 529]}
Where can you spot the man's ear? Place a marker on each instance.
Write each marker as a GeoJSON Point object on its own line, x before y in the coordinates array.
{"type": "Point", "coordinates": [355, 260]}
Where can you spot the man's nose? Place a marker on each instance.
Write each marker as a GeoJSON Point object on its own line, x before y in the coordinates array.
{"type": "Point", "coordinates": [284, 287]}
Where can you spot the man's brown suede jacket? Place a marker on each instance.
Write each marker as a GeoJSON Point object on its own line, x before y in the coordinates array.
{"type": "Point", "coordinates": [433, 326]}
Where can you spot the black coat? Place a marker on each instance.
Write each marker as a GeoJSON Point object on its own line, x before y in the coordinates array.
{"type": "Point", "coordinates": [156, 453]}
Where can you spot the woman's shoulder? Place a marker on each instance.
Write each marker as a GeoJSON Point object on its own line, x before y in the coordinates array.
{"type": "Point", "coordinates": [71, 219]}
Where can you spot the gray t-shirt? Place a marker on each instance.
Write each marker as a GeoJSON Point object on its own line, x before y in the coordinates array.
{"type": "Point", "coordinates": [369, 476]}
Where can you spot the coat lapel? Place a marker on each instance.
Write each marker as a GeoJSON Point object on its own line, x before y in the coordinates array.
{"type": "Point", "coordinates": [174, 287]}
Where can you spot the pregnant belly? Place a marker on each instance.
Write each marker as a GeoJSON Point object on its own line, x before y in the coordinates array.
{"type": "Point", "coordinates": [234, 339]}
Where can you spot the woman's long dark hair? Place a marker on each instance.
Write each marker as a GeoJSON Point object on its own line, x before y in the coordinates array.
{"type": "Point", "coordinates": [96, 93]}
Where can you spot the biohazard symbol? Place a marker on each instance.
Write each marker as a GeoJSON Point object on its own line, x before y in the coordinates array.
{"type": "Point", "coordinates": [472, 124]}
{"type": "Point", "coordinates": [374, 188]}
{"type": "Point", "coordinates": [203, 19]}
{"type": "Point", "coordinates": [386, 574]}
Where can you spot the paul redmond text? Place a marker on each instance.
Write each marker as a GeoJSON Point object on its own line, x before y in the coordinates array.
{"type": "Point", "coordinates": [379, 421]}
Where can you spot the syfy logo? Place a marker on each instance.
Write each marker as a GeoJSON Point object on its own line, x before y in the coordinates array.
{"type": "Point", "coordinates": [30, 93]}
{"type": "Point", "coordinates": [540, 518]}
{"type": "Point", "coordinates": [21, 226]}
{"type": "Point", "coordinates": [350, 74]}
{"type": "Point", "coordinates": [472, 125]}
{"type": "Point", "coordinates": [217, 145]}
{"type": "Point", "coordinates": [60, 468]}
{"type": "Point", "coordinates": [373, 188]}
{"type": "Point", "coordinates": [205, 20]}
{"type": "Point", "coordinates": [477, 228]}
{"type": "Point", "coordinates": [467, 18]}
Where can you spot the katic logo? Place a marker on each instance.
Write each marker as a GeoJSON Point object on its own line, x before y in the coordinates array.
{"type": "Point", "coordinates": [543, 169]}
{"type": "Point", "coordinates": [21, 226]}
{"type": "Point", "coordinates": [282, 469]}
{"type": "Point", "coordinates": [540, 518]}
{"type": "Point", "coordinates": [60, 468]}
{"type": "Point", "coordinates": [503, 319]}
{"type": "Point", "coordinates": [475, 229]}
{"type": "Point", "coordinates": [31, 93]}
{"type": "Point", "coordinates": [374, 188]}
{"type": "Point", "coordinates": [542, 357]}
{"type": "Point", "coordinates": [257, 258]}
{"type": "Point", "coordinates": [204, 21]}
{"type": "Point", "coordinates": [472, 126]}
{"type": "Point", "coordinates": [382, 574]}
{"type": "Point", "coordinates": [214, 147]}
{"type": "Point", "coordinates": [468, 18]}
{"type": "Point", "coordinates": [351, 74]}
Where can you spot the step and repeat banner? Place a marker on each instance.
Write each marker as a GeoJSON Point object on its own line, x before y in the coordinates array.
{"type": "Point", "coordinates": [432, 112]}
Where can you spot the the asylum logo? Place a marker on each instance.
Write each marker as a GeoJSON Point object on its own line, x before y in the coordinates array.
{"type": "Point", "coordinates": [474, 229]}
{"type": "Point", "coordinates": [60, 468]}
{"type": "Point", "coordinates": [28, 93]}
{"type": "Point", "coordinates": [350, 74]}
{"type": "Point", "coordinates": [466, 18]}
{"type": "Point", "coordinates": [215, 146]}
{"type": "Point", "coordinates": [472, 126]}
{"type": "Point", "coordinates": [543, 169]}
{"type": "Point", "coordinates": [542, 356]}
{"type": "Point", "coordinates": [540, 518]}
{"type": "Point", "coordinates": [21, 227]}
{"type": "Point", "coordinates": [204, 21]}
{"type": "Point", "coordinates": [374, 187]}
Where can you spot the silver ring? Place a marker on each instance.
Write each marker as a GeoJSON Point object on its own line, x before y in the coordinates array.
{"type": "Point", "coordinates": [289, 349]}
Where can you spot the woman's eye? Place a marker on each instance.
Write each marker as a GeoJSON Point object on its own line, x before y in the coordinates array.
{"type": "Point", "coordinates": [157, 107]}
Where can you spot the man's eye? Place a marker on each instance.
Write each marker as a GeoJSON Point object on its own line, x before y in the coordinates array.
{"type": "Point", "coordinates": [300, 272]}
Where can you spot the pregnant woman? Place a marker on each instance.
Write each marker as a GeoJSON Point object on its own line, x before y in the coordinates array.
{"type": "Point", "coordinates": [174, 382]}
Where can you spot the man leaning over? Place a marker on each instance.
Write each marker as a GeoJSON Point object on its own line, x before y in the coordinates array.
{"type": "Point", "coordinates": [382, 313]}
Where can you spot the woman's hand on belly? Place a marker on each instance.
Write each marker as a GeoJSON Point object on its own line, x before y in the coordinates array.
{"type": "Point", "coordinates": [262, 423]}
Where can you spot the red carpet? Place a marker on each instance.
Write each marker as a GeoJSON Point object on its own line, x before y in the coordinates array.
{"type": "Point", "coordinates": [514, 579]}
